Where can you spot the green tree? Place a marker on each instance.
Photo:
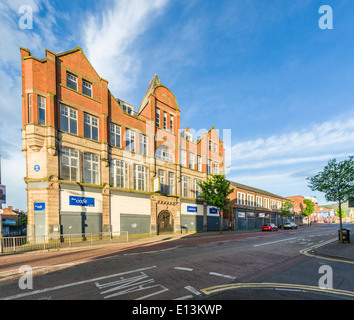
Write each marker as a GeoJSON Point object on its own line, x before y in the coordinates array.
{"type": "Point", "coordinates": [343, 215]}
{"type": "Point", "coordinates": [216, 191]}
{"type": "Point", "coordinates": [286, 209]}
{"type": "Point", "coordinates": [337, 182]}
{"type": "Point", "coordinates": [309, 209]}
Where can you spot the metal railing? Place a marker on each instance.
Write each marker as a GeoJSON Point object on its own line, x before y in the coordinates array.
{"type": "Point", "coordinates": [32, 243]}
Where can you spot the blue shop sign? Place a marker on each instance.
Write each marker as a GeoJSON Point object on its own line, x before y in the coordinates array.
{"type": "Point", "coordinates": [213, 211]}
{"type": "Point", "coordinates": [39, 206]}
{"type": "Point", "coordinates": [192, 209]}
{"type": "Point", "coordinates": [81, 201]}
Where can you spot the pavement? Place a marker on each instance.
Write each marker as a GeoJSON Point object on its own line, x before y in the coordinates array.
{"type": "Point", "coordinates": [337, 250]}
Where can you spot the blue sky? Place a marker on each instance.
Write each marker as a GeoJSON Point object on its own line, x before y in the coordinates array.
{"type": "Point", "coordinates": [261, 68]}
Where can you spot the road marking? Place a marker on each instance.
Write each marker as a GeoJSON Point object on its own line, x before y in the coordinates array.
{"type": "Point", "coordinates": [184, 298]}
{"type": "Point", "coordinates": [232, 286]}
{"type": "Point", "coordinates": [154, 251]}
{"type": "Point", "coordinates": [193, 290]}
{"type": "Point", "coordinates": [264, 244]}
{"type": "Point", "coordinates": [222, 275]}
{"type": "Point", "coordinates": [307, 251]}
{"type": "Point", "coordinates": [133, 284]}
{"type": "Point", "coordinates": [184, 269]}
{"type": "Point", "coordinates": [26, 294]}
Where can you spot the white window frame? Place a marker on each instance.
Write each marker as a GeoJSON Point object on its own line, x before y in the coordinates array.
{"type": "Point", "coordinates": [88, 86]}
{"type": "Point", "coordinates": [184, 158]}
{"type": "Point", "coordinates": [164, 154]}
{"type": "Point", "coordinates": [216, 167]}
{"type": "Point", "coordinates": [197, 188]}
{"type": "Point", "coordinates": [171, 123]}
{"type": "Point", "coordinates": [191, 160]}
{"type": "Point", "coordinates": [278, 205]}
{"type": "Point", "coordinates": [140, 177]}
{"type": "Point", "coordinates": [185, 186]}
{"type": "Point", "coordinates": [73, 79]}
{"type": "Point", "coordinates": [130, 137]}
{"type": "Point", "coordinates": [91, 165]}
{"type": "Point", "coordinates": [210, 167]}
{"type": "Point", "coordinates": [165, 120]}
{"type": "Point", "coordinates": [199, 163]}
{"type": "Point", "coordinates": [119, 174]}
{"type": "Point", "coordinates": [250, 200]}
{"type": "Point", "coordinates": [92, 123]}
{"type": "Point", "coordinates": [266, 203]}
{"type": "Point", "coordinates": [143, 144]}
{"type": "Point", "coordinates": [42, 106]}
{"type": "Point", "coordinates": [162, 176]}
{"type": "Point", "coordinates": [115, 137]}
{"type": "Point", "coordinates": [71, 115]}
{"type": "Point", "coordinates": [72, 156]}
{"type": "Point", "coordinates": [171, 183]}
{"type": "Point", "coordinates": [157, 118]}
{"type": "Point", "coordinates": [241, 198]}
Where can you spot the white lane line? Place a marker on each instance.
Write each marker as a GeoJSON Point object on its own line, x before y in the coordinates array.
{"type": "Point", "coordinates": [164, 289]}
{"type": "Point", "coordinates": [222, 275]}
{"type": "Point", "coordinates": [26, 294]}
{"type": "Point", "coordinates": [264, 244]}
{"type": "Point", "coordinates": [184, 269]}
{"type": "Point", "coordinates": [193, 290]}
{"type": "Point", "coordinates": [184, 298]}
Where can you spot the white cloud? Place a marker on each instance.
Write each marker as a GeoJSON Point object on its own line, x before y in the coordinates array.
{"type": "Point", "coordinates": [109, 39]}
{"type": "Point", "coordinates": [332, 139]}
{"type": "Point", "coordinates": [281, 164]}
{"type": "Point", "coordinates": [12, 38]}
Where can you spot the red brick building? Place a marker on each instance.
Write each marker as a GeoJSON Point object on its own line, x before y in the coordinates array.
{"type": "Point", "coordinates": [252, 207]}
{"type": "Point", "coordinates": [95, 165]}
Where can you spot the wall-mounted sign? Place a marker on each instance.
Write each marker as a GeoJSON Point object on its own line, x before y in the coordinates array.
{"type": "Point", "coordinates": [213, 211]}
{"type": "Point", "coordinates": [157, 185]}
{"type": "Point", "coordinates": [241, 214]}
{"type": "Point", "coordinates": [81, 201]}
{"type": "Point", "coordinates": [37, 168]}
{"type": "Point", "coordinates": [192, 209]}
{"type": "Point", "coordinates": [39, 206]}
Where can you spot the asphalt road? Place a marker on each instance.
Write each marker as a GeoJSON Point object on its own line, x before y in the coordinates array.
{"type": "Point", "coordinates": [238, 266]}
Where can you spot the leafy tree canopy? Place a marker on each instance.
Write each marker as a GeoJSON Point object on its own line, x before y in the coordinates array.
{"type": "Point", "coordinates": [336, 180]}
{"type": "Point", "coordinates": [216, 191]}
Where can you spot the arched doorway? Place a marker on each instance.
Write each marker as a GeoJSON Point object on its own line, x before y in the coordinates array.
{"type": "Point", "coordinates": [165, 222]}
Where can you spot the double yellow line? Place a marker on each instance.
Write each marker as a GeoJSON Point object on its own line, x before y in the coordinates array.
{"type": "Point", "coordinates": [307, 251]}
{"type": "Point", "coordinates": [287, 286]}
{"type": "Point", "coordinates": [284, 286]}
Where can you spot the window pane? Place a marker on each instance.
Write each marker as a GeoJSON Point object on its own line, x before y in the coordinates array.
{"type": "Point", "coordinates": [71, 81]}
{"type": "Point", "coordinates": [87, 131]}
{"type": "Point", "coordinates": [94, 133]}
{"type": "Point", "coordinates": [73, 126]}
{"type": "Point", "coordinates": [64, 123]}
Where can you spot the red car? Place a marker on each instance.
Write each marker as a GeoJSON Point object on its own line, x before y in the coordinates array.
{"type": "Point", "coordinates": [269, 227]}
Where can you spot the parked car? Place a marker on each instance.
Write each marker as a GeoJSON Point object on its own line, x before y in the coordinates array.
{"type": "Point", "coordinates": [269, 227]}
{"type": "Point", "coordinates": [290, 225]}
